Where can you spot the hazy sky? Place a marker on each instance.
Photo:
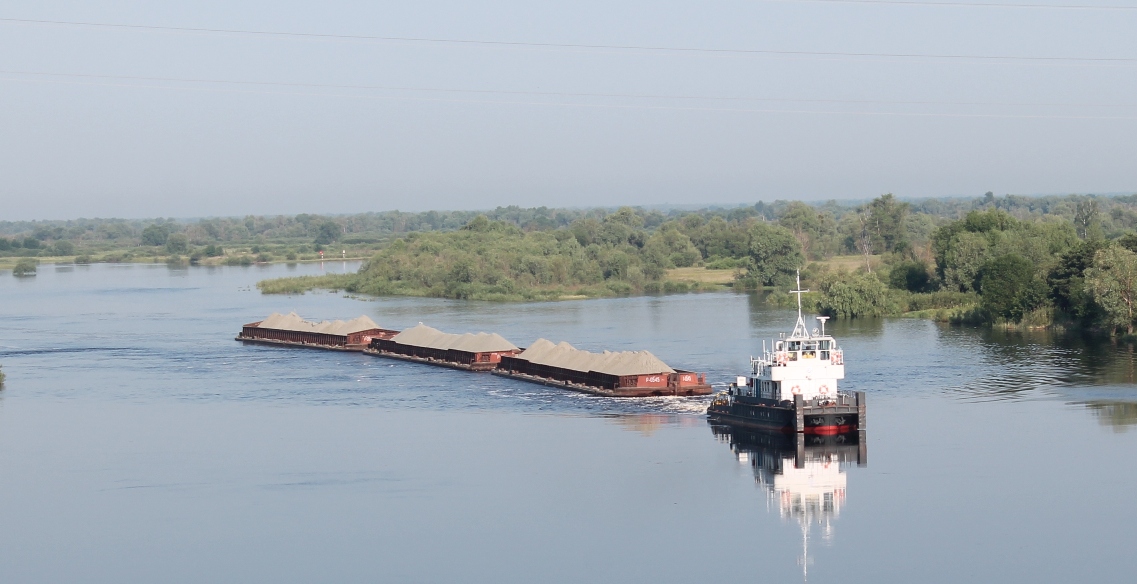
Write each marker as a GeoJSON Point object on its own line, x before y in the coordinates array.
{"type": "Point", "coordinates": [140, 122]}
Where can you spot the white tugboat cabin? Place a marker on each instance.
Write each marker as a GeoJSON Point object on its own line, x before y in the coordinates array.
{"type": "Point", "coordinates": [804, 363]}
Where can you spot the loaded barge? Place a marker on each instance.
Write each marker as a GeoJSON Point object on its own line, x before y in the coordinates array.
{"type": "Point", "coordinates": [610, 374]}
{"type": "Point", "coordinates": [620, 374]}
{"type": "Point", "coordinates": [292, 331]}
{"type": "Point", "coordinates": [793, 387]}
{"type": "Point", "coordinates": [429, 346]}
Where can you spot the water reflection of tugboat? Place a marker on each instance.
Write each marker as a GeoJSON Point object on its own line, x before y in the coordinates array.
{"type": "Point", "coordinates": [793, 387]}
{"type": "Point", "coordinates": [803, 475]}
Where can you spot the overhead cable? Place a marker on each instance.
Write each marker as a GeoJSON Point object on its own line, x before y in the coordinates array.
{"type": "Point", "coordinates": [548, 45]}
{"type": "Point", "coordinates": [306, 85]}
{"type": "Point", "coordinates": [691, 108]}
{"type": "Point", "coordinates": [964, 4]}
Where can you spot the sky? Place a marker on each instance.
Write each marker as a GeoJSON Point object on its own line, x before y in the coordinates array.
{"type": "Point", "coordinates": [370, 106]}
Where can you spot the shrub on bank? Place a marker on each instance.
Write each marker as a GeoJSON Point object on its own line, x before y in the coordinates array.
{"type": "Point", "coordinates": [24, 267]}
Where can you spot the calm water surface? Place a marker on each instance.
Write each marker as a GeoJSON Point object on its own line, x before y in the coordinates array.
{"type": "Point", "coordinates": [139, 442]}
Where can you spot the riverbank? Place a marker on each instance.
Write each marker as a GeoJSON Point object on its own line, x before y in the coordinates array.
{"type": "Point", "coordinates": [675, 281]}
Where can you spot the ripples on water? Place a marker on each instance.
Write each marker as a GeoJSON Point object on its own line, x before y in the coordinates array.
{"type": "Point", "coordinates": [383, 462]}
{"type": "Point", "coordinates": [173, 329]}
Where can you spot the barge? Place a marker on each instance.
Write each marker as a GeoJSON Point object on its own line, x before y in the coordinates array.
{"type": "Point", "coordinates": [793, 387]}
{"type": "Point", "coordinates": [430, 346]}
{"type": "Point", "coordinates": [609, 374]}
{"type": "Point", "coordinates": [292, 331]}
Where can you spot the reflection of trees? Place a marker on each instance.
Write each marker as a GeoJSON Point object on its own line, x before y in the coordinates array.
{"type": "Point", "coordinates": [1009, 363]}
{"type": "Point", "coordinates": [766, 316]}
{"type": "Point", "coordinates": [1005, 363]}
{"type": "Point", "coordinates": [1119, 415]}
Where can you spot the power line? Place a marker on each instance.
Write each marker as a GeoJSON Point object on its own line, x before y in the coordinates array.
{"type": "Point", "coordinates": [964, 4]}
{"type": "Point", "coordinates": [623, 106]}
{"type": "Point", "coordinates": [544, 45]}
{"type": "Point", "coordinates": [548, 93]}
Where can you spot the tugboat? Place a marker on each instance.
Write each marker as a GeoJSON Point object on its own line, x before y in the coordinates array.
{"type": "Point", "coordinates": [793, 386]}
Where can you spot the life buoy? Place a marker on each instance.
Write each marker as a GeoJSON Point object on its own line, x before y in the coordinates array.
{"type": "Point", "coordinates": [795, 389]}
{"type": "Point", "coordinates": [836, 358]}
{"type": "Point", "coordinates": [823, 390]}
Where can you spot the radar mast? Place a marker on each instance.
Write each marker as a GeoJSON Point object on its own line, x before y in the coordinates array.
{"type": "Point", "coordinates": [800, 332]}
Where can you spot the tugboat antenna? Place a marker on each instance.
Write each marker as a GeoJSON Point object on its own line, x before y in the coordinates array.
{"type": "Point", "coordinates": [800, 323]}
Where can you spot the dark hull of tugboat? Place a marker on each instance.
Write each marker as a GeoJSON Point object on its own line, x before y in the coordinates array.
{"type": "Point", "coordinates": [841, 416]}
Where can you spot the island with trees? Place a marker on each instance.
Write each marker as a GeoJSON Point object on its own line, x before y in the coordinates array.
{"type": "Point", "coordinates": [1013, 261]}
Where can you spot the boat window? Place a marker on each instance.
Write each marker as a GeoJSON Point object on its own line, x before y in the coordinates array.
{"type": "Point", "coordinates": [795, 346]}
{"type": "Point", "coordinates": [824, 355]}
{"type": "Point", "coordinates": [823, 345]}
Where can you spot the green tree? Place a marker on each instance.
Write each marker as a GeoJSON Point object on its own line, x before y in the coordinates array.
{"type": "Point", "coordinates": [177, 243]}
{"type": "Point", "coordinates": [327, 232]}
{"type": "Point", "coordinates": [912, 276]}
{"type": "Point", "coordinates": [1067, 281]}
{"type": "Point", "coordinates": [963, 260]}
{"type": "Point", "coordinates": [805, 223]}
{"type": "Point", "coordinates": [1010, 287]}
{"type": "Point", "coordinates": [155, 235]}
{"type": "Point", "coordinates": [853, 295]}
{"type": "Point", "coordinates": [24, 267]}
{"type": "Point", "coordinates": [1113, 282]}
{"type": "Point", "coordinates": [1086, 219]}
{"type": "Point", "coordinates": [776, 253]}
{"type": "Point", "coordinates": [886, 223]}
{"type": "Point", "coordinates": [63, 248]}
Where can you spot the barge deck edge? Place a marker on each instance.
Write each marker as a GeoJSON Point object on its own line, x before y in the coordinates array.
{"type": "Point", "coordinates": [348, 348]}
{"type": "Point", "coordinates": [628, 392]}
{"type": "Point", "coordinates": [426, 361]}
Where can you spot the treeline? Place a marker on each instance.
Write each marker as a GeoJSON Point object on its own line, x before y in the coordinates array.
{"type": "Point", "coordinates": [824, 230]}
{"type": "Point", "coordinates": [992, 267]}
{"type": "Point", "coordinates": [614, 254]}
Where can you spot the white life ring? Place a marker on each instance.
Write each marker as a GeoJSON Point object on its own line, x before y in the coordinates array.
{"type": "Point", "coordinates": [795, 389]}
{"type": "Point", "coordinates": [823, 390]}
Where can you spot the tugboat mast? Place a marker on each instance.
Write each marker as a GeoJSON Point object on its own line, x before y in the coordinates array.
{"type": "Point", "coordinates": [799, 329]}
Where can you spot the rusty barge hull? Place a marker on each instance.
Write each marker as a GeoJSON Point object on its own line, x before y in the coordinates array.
{"type": "Point", "coordinates": [689, 390]}
{"type": "Point", "coordinates": [475, 367]}
{"type": "Point", "coordinates": [301, 345]}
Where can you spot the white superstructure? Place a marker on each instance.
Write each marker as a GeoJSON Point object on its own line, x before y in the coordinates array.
{"type": "Point", "coordinates": [804, 363]}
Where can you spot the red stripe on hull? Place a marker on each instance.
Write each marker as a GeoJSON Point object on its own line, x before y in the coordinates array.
{"type": "Point", "coordinates": [830, 430]}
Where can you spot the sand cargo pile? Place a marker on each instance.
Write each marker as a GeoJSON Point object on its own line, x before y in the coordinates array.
{"type": "Point", "coordinates": [421, 343]}
{"type": "Point", "coordinates": [616, 374]}
{"type": "Point", "coordinates": [290, 329]}
{"type": "Point", "coordinates": [613, 374]}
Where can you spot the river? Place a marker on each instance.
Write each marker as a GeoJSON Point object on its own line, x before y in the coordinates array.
{"type": "Point", "coordinates": [140, 442]}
